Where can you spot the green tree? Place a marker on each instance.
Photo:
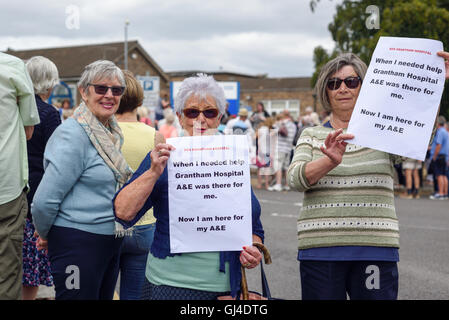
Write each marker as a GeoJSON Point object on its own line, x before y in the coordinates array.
{"type": "Point", "coordinates": [398, 18]}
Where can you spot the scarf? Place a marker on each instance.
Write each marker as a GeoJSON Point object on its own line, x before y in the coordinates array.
{"type": "Point", "coordinates": [108, 142]}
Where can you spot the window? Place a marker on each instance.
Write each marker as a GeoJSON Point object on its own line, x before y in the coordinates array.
{"type": "Point", "coordinates": [280, 105]}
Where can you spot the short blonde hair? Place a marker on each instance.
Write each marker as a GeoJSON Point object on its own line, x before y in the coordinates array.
{"type": "Point", "coordinates": [133, 96]}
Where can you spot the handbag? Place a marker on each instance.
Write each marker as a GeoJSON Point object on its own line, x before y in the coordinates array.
{"type": "Point", "coordinates": [246, 294]}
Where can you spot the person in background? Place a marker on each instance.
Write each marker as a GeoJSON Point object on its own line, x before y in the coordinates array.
{"type": "Point", "coordinates": [18, 116]}
{"type": "Point", "coordinates": [36, 266]}
{"type": "Point", "coordinates": [168, 113]}
{"type": "Point", "coordinates": [240, 125]}
{"type": "Point", "coordinates": [314, 117]}
{"type": "Point", "coordinates": [265, 152]}
{"type": "Point", "coordinates": [164, 103]}
{"type": "Point", "coordinates": [72, 208]}
{"type": "Point", "coordinates": [447, 162]}
{"type": "Point", "coordinates": [168, 128]}
{"type": "Point", "coordinates": [439, 155]}
{"type": "Point", "coordinates": [445, 56]}
{"type": "Point", "coordinates": [199, 104]}
{"type": "Point", "coordinates": [259, 115]}
{"type": "Point", "coordinates": [142, 116]}
{"type": "Point", "coordinates": [226, 116]}
{"type": "Point", "coordinates": [286, 133]}
{"type": "Point", "coordinates": [139, 139]}
{"type": "Point", "coordinates": [66, 104]}
{"type": "Point", "coordinates": [412, 179]}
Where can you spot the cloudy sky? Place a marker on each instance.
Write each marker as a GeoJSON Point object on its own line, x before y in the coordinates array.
{"type": "Point", "coordinates": [246, 36]}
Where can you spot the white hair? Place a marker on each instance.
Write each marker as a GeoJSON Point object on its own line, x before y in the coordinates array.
{"type": "Point", "coordinates": [99, 70]}
{"type": "Point", "coordinates": [43, 73]}
{"type": "Point", "coordinates": [201, 86]}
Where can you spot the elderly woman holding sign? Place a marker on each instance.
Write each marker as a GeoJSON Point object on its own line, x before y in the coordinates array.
{"type": "Point", "coordinates": [199, 105]}
{"type": "Point", "coordinates": [347, 229]}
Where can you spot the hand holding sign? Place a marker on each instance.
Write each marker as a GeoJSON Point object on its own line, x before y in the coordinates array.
{"type": "Point", "coordinates": [160, 156]}
{"type": "Point", "coordinates": [398, 102]}
{"type": "Point", "coordinates": [445, 55]}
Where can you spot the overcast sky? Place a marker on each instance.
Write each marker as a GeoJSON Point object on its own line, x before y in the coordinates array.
{"type": "Point", "coordinates": [276, 37]}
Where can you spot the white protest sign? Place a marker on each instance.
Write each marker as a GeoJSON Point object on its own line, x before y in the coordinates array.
{"type": "Point", "coordinates": [398, 102]}
{"type": "Point", "coordinates": [209, 194]}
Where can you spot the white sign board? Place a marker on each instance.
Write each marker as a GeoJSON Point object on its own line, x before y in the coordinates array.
{"type": "Point", "coordinates": [209, 194]}
{"type": "Point", "coordinates": [397, 105]}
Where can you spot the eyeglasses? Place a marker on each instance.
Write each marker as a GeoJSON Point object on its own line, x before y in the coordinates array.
{"type": "Point", "coordinates": [101, 89]}
{"type": "Point", "coordinates": [350, 82]}
{"type": "Point", "coordinates": [193, 113]}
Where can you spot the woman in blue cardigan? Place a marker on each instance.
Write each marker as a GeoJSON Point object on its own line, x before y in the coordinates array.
{"type": "Point", "coordinates": [84, 168]}
{"type": "Point", "coordinates": [199, 104]}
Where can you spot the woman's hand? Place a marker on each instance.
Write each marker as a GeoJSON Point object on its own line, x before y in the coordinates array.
{"type": "Point", "coordinates": [250, 257]}
{"type": "Point", "coordinates": [335, 146]}
{"type": "Point", "coordinates": [41, 244]}
{"type": "Point", "coordinates": [159, 157]}
{"type": "Point", "coordinates": [445, 55]}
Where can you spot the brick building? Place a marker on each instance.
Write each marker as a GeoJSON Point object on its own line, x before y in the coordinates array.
{"type": "Point", "coordinates": [277, 94]}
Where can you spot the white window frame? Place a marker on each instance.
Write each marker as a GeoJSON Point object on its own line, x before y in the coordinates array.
{"type": "Point", "coordinates": [292, 108]}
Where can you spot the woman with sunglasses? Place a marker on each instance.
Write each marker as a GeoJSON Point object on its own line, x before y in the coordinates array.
{"type": "Point", "coordinates": [72, 207]}
{"type": "Point", "coordinates": [347, 229]}
{"type": "Point", "coordinates": [348, 235]}
{"type": "Point", "coordinates": [199, 105]}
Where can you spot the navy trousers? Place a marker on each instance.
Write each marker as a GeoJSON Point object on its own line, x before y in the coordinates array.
{"type": "Point", "coordinates": [360, 280]}
{"type": "Point", "coordinates": [84, 265]}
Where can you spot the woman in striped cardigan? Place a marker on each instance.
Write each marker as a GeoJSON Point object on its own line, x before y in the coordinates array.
{"type": "Point", "coordinates": [347, 229]}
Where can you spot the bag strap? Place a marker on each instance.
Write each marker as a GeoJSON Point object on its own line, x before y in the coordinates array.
{"type": "Point", "coordinates": [265, 288]}
{"type": "Point", "coordinates": [244, 284]}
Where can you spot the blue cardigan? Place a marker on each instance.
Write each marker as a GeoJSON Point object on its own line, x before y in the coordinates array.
{"type": "Point", "coordinates": [160, 248]}
{"type": "Point", "coordinates": [77, 186]}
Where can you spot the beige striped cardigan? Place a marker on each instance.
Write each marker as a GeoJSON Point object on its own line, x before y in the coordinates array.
{"type": "Point", "coordinates": [353, 205]}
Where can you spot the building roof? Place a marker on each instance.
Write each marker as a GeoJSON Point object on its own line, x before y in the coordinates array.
{"type": "Point", "coordinates": [71, 60]}
{"type": "Point", "coordinates": [254, 82]}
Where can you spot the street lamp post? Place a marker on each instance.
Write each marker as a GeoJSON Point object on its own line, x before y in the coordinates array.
{"type": "Point", "coordinates": [126, 44]}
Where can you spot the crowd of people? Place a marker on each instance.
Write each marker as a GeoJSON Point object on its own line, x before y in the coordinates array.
{"type": "Point", "coordinates": [84, 198]}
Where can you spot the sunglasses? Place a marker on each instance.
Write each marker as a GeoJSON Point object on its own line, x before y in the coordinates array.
{"type": "Point", "coordinates": [100, 89]}
{"type": "Point", "coordinates": [193, 113]}
{"type": "Point", "coordinates": [350, 82]}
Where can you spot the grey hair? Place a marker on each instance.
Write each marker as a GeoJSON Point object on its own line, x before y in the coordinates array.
{"type": "Point", "coordinates": [201, 86]}
{"type": "Point", "coordinates": [43, 73]}
{"type": "Point", "coordinates": [441, 120]}
{"type": "Point", "coordinates": [344, 59]}
{"type": "Point", "coordinates": [99, 70]}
